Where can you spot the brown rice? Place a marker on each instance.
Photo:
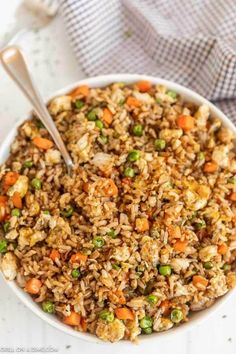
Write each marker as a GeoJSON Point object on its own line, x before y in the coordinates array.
{"type": "Point", "coordinates": [143, 231]}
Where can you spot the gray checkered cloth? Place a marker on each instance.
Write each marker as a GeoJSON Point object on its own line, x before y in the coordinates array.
{"type": "Point", "coordinates": [190, 42]}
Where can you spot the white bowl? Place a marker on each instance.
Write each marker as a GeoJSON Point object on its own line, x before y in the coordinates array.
{"type": "Point", "coordinates": [100, 81]}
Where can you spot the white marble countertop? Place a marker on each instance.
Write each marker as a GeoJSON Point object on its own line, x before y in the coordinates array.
{"type": "Point", "coordinates": [53, 66]}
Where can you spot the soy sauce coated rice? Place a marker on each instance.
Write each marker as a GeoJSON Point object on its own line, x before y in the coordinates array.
{"type": "Point", "coordinates": [142, 233]}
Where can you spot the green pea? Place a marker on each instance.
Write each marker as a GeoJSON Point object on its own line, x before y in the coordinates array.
{"type": "Point", "coordinates": [134, 155]}
{"type": "Point", "coordinates": [146, 322]}
{"type": "Point", "coordinates": [68, 212]}
{"type": "Point", "coordinates": [116, 266]}
{"type": "Point", "coordinates": [39, 124]}
{"type": "Point", "coordinates": [15, 212]}
{"type": "Point", "coordinates": [172, 94]}
{"type": "Point", "coordinates": [103, 139]}
{"type": "Point", "coordinates": [111, 233]}
{"type": "Point", "coordinates": [98, 241]}
{"type": "Point", "coordinates": [208, 265]}
{"type": "Point", "coordinates": [6, 226]}
{"type": "Point", "coordinates": [79, 104]}
{"type": "Point", "coordinates": [231, 180]}
{"type": "Point", "coordinates": [176, 315]}
{"type": "Point", "coordinates": [160, 144]}
{"type": "Point", "coordinates": [158, 100]}
{"type": "Point", "coordinates": [147, 330]}
{"type": "Point", "coordinates": [92, 116]}
{"type": "Point", "coordinates": [75, 273]}
{"type": "Point", "coordinates": [138, 130]}
{"type": "Point", "coordinates": [107, 316]}
{"type": "Point", "coordinates": [152, 299]}
{"type": "Point", "coordinates": [36, 184]}
{"type": "Point", "coordinates": [28, 164]}
{"type": "Point", "coordinates": [121, 102]}
{"type": "Point", "coordinates": [129, 172]}
{"type": "Point", "coordinates": [3, 246]}
{"type": "Point", "coordinates": [226, 267]}
{"type": "Point", "coordinates": [99, 124]}
{"type": "Point", "coordinates": [46, 212]}
{"type": "Point", "coordinates": [48, 306]}
{"type": "Point", "coordinates": [165, 270]}
{"type": "Point", "coordinates": [200, 225]}
{"type": "Point", "coordinates": [201, 156]}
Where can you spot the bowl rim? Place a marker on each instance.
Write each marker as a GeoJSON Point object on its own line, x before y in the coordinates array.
{"type": "Point", "coordinates": [100, 81]}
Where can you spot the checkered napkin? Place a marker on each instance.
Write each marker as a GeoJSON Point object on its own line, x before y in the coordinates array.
{"type": "Point", "coordinates": [191, 42]}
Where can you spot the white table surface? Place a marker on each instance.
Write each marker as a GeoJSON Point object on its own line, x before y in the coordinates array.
{"type": "Point", "coordinates": [53, 65]}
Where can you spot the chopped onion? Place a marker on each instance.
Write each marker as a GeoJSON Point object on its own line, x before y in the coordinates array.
{"type": "Point", "coordinates": [102, 159]}
{"type": "Point", "coordinates": [83, 142]}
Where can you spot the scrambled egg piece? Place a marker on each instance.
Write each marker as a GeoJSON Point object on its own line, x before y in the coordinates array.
{"type": "Point", "coordinates": [112, 332]}
{"type": "Point", "coordinates": [9, 266]}
{"type": "Point", "coordinates": [150, 252]}
{"type": "Point", "coordinates": [21, 186]}
{"type": "Point", "coordinates": [60, 104]}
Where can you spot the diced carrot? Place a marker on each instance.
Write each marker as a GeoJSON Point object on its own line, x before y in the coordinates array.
{"type": "Point", "coordinates": [126, 180]}
{"type": "Point", "coordinates": [85, 187]}
{"type": "Point", "coordinates": [233, 196]}
{"type": "Point", "coordinates": [165, 306]}
{"type": "Point", "coordinates": [174, 231]}
{"type": "Point", "coordinates": [109, 188]}
{"type": "Point", "coordinates": [3, 202]}
{"type": "Point", "coordinates": [185, 122]}
{"type": "Point", "coordinates": [180, 246]}
{"type": "Point", "coordinates": [82, 90]}
{"type": "Point", "coordinates": [5, 187]}
{"type": "Point", "coordinates": [142, 224]}
{"type": "Point", "coordinates": [107, 116]}
{"type": "Point", "coordinates": [54, 255]}
{"type": "Point", "coordinates": [2, 212]}
{"type": "Point", "coordinates": [3, 199]}
{"type": "Point", "coordinates": [234, 219]}
{"type": "Point", "coordinates": [33, 286]}
{"type": "Point", "coordinates": [210, 167]}
{"type": "Point", "coordinates": [222, 249]}
{"type": "Point", "coordinates": [133, 102]}
{"type": "Point", "coordinates": [200, 282]}
{"type": "Point", "coordinates": [73, 319]}
{"type": "Point", "coordinates": [11, 178]}
{"type": "Point", "coordinates": [42, 143]}
{"type": "Point", "coordinates": [83, 324]}
{"type": "Point", "coordinates": [78, 257]}
{"type": "Point", "coordinates": [17, 200]}
{"type": "Point", "coordinates": [143, 85]}
{"type": "Point", "coordinates": [123, 313]}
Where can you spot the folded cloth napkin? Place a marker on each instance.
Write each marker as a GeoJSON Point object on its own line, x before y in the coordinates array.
{"type": "Point", "coordinates": [190, 42]}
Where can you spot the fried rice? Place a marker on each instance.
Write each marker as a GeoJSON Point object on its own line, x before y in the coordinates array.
{"type": "Point", "coordinates": [142, 232]}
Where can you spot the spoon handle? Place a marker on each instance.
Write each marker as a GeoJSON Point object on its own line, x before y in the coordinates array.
{"type": "Point", "coordinates": [14, 63]}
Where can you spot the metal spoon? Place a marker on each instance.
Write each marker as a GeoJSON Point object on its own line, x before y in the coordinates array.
{"type": "Point", "coordinates": [14, 63]}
